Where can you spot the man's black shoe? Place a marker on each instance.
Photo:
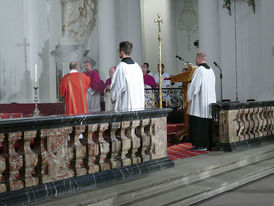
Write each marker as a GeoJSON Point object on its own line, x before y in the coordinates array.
{"type": "Point", "coordinates": [199, 149]}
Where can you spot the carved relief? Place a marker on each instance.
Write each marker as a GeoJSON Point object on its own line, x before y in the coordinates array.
{"type": "Point", "coordinates": [78, 16]}
{"type": "Point", "coordinates": [188, 21]}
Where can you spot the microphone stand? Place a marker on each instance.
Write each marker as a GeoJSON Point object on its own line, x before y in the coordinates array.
{"type": "Point", "coordinates": [221, 77]}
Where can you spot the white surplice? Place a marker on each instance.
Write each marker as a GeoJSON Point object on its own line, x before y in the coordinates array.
{"type": "Point", "coordinates": [127, 87]}
{"type": "Point", "coordinates": [201, 93]}
{"type": "Point", "coordinates": [165, 84]}
{"type": "Point", "coordinates": [93, 100]}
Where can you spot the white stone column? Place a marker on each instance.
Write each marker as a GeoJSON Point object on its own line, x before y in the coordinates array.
{"type": "Point", "coordinates": [209, 39]}
{"type": "Point", "coordinates": [107, 46]}
{"type": "Point", "coordinates": [129, 18]}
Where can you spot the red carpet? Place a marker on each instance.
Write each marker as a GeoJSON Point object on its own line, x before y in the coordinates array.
{"type": "Point", "coordinates": [182, 150]}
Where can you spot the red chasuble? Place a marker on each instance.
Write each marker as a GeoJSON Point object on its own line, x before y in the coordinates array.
{"type": "Point", "coordinates": [73, 88]}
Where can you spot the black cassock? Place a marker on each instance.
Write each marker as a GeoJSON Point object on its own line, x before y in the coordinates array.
{"type": "Point", "coordinates": [201, 131]}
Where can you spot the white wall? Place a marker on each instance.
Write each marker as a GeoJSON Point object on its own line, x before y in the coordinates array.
{"type": "Point", "coordinates": [123, 23]}
{"type": "Point", "coordinates": [150, 9]}
{"type": "Point", "coordinates": [37, 22]}
{"type": "Point", "coordinates": [251, 59]}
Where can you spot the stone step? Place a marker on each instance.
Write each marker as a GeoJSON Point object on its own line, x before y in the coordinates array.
{"type": "Point", "coordinates": [204, 189]}
{"type": "Point", "coordinates": [185, 178]}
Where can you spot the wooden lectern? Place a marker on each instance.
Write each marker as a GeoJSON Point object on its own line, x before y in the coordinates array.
{"type": "Point", "coordinates": [185, 78]}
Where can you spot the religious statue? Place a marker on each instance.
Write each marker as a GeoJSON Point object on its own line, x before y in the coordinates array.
{"type": "Point", "coordinates": [77, 17]}
{"type": "Point", "coordinates": [78, 20]}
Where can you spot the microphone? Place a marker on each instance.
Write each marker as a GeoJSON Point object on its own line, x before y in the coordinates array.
{"type": "Point", "coordinates": [178, 57]}
{"type": "Point", "coordinates": [216, 65]}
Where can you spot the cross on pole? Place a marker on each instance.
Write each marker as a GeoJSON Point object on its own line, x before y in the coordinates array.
{"type": "Point", "coordinates": [158, 20]}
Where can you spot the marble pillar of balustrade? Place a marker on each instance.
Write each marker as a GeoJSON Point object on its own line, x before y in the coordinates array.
{"type": "Point", "coordinates": [116, 146]}
{"type": "Point", "coordinates": [30, 160]}
{"type": "Point", "coordinates": [126, 144]}
{"type": "Point", "coordinates": [103, 148]}
{"type": "Point", "coordinates": [272, 119]}
{"type": "Point", "coordinates": [56, 155]}
{"type": "Point", "coordinates": [145, 140]}
{"type": "Point", "coordinates": [135, 142]}
{"type": "Point", "coordinates": [3, 187]}
{"type": "Point", "coordinates": [79, 151]}
{"type": "Point", "coordinates": [15, 162]}
{"type": "Point", "coordinates": [93, 148]}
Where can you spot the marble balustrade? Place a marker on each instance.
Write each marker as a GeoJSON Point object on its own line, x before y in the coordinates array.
{"type": "Point", "coordinates": [41, 150]}
{"type": "Point", "coordinates": [244, 123]}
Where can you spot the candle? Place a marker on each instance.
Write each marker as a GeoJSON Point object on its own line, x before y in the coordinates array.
{"type": "Point", "coordinates": [35, 76]}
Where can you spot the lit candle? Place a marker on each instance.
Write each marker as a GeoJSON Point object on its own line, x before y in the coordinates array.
{"type": "Point", "coordinates": [35, 76]}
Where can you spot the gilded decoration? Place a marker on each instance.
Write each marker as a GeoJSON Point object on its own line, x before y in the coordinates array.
{"type": "Point", "coordinates": [78, 21]}
{"type": "Point", "coordinates": [227, 5]}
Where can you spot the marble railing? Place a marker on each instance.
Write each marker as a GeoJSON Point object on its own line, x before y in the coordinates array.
{"type": "Point", "coordinates": [35, 151]}
{"type": "Point", "coordinates": [242, 124]}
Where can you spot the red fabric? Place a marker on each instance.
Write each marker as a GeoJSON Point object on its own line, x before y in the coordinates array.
{"type": "Point", "coordinates": [77, 93]}
{"type": "Point", "coordinates": [182, 150]}
{"type": "Point", "coordinates": [10, 115]}
{"type": "Point", "coordinates": [95, 81]}
{"type": "Point", "coordinates": [150, 81]}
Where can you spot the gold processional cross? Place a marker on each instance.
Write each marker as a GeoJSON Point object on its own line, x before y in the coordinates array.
{"type": "Point", "coordinates": [158, 20]}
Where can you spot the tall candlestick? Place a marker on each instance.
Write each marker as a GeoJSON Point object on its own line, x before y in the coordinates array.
{"type": "Point", "coordinates": [35, 76]}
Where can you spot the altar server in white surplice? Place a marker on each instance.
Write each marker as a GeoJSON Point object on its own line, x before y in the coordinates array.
{"type": "Point", "coordinates": [200, 94]}
{"type": "Point", "coordinates": [127, 84]}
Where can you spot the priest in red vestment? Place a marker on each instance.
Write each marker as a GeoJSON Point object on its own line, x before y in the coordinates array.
{"type": "Point", "coordinates": [73, 88]}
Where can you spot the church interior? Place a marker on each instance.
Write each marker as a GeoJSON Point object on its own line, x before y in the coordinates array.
{"type": "Point", "coordinates": [239, 42]}
{"type": "Point", "coordinates": [40, 38]}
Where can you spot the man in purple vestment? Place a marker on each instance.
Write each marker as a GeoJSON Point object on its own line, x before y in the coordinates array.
{"type": "Point", "coordinates": [148, 79]}
{"type": "Point", "coordinates": [97, 86]}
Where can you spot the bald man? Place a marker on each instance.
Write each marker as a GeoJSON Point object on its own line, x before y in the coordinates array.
{"type": "Point", "coordinates": [107, 96]}
{"type": "Point", "coordinates": [200, 94]}
{"type": "Point", "coordinates": [73, 88]}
